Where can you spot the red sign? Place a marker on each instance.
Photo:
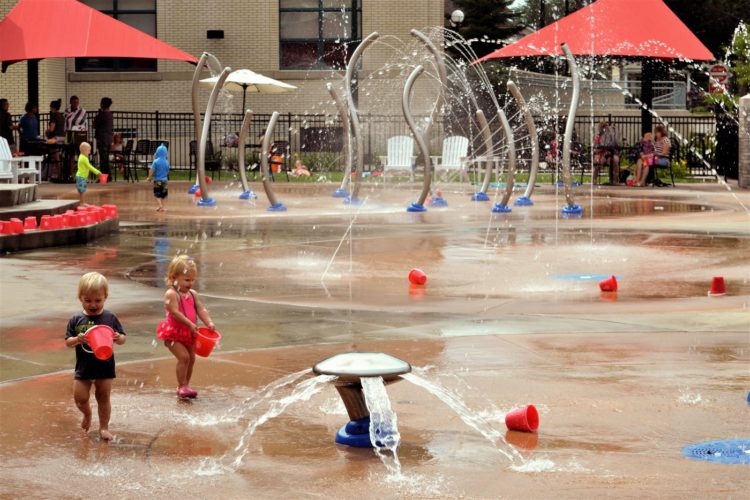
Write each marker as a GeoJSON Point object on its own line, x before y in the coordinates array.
{"type": "Point", "coordinates": [719, 75]}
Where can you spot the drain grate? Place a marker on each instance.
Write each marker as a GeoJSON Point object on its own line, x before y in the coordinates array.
{"type": "Point", "coordinates": [730, 451]}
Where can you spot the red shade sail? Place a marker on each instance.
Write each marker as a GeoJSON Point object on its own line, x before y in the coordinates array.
{"type": "Point", "coordinates": [40, 29]}
{"type": "Point", "coordinates": [638, 28]}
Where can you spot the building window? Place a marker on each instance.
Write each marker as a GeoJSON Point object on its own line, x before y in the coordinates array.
{"type": "Point", "coordinates": [140, 14]}
{"type": "Point", "coordinates": [318, 34]}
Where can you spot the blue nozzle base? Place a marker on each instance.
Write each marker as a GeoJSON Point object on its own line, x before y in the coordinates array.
{"type": "Point", "coordinates": [340, 193]}
{"type": "Point", "coordinates": [439, 201]}
{"type": "Point", "coordinates": [277, 207]}
{"type": "Point", "coordinates": [194, 188]}
{"type": "Point", "coordinates": [574, 210]}
{"type": "Point", "coordinates": [208, 202]}
{"type": "Point", "coordinates": [499, 208]}
{"type": "Point", "coordinates": [356, 434]}
{"type": "Point", "coordinates": [480, 196]}
{"type": "Point", "coordinates": [416, 207]}
{"type": "Point", "coordinates": [248, 194]}
{"type": "Point", "coordinates": [523, 201]}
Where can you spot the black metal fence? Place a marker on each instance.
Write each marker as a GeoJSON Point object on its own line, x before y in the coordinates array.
{"type": "Point", "coordinates": [318, 139]}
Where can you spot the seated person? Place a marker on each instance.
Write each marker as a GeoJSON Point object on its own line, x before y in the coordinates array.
{"type": "Point", "coordinates": [300, 170]}
{"type": "Point", "coordinates": [662, 147]}
{"type": "Point", "coordinates": [645, 159]}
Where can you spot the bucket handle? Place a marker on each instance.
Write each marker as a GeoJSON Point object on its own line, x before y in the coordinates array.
{"type": "Point", "coordinates": [90, 351]}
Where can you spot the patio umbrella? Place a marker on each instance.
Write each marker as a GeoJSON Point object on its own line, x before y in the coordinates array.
{"type": "Point", "coordinates": [623, 28]}
{"type": "Point", "coordinates": [634, 28]}
{"type": "Point", "coordinates": [40, 29]}
{"type": "Point", "coordinates": [248, 80]}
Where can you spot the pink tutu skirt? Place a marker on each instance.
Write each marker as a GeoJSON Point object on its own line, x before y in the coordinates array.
{"type": "Point", "coordinates": [167, 330]}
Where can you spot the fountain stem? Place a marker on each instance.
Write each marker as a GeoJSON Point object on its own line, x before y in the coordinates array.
{"type": "Point", "coordinates": [246, 191]}
{"type": "Point", "coordinates": [342, 192]}
{"type": "Point", "coordinates": [276, 205]}
{"type": "Point", "coordinates": [201, 167]}
{"type": "Point", "coordinates": [570, 207]}
{"type": "Point", "coordinates": [531, 126]}
{"type": "Point", "coordinates": [418, 206]}
{"type": "Point", "coordinates": [369, 40]}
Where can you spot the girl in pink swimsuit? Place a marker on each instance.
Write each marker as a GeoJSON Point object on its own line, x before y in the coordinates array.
{"type": "Point", "coordinates": [178, 330]}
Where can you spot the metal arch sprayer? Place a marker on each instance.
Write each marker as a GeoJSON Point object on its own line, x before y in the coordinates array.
{"type": "Point", "coordinates": [342, 192]}
{"type": "Point", "coordinates": [244, 131]}
{"type": "Point", "coordinates": [417, 206]}
{"type": "Point", "coordinates": [570, 207]}
{"type": "Point", "coordinates": [206, 59]}
{"type": "Point", "coordinates": [276, 205]}
{"type": "Point", "coordinates": [525, 200]}
{"type": "Point", "coordinates": [354, 117]}
{"type": "Point", "coordinates": [205, 199]}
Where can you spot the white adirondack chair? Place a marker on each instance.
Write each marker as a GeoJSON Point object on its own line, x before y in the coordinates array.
{"type": "Point", "coordinates": [455, 150]}
{"type": "Point", "coordinates": [400, 155]}
{"type": "Point", "coordinates": [18, 166]}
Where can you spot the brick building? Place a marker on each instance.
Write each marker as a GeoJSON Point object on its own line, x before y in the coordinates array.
{"type": "Point", "coordinates": [290, 40]}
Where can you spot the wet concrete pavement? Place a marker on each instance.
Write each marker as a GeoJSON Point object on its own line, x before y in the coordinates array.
{"type": "Point", "coordinates": [509, 316]}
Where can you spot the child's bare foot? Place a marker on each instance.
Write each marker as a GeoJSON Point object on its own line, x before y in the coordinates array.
{"type": "Point", "coordinates": [105, 434]}
{"type": "Point", "coordinates": [86, 422]}
{"type": "Point", "coordinates": [158, 209]}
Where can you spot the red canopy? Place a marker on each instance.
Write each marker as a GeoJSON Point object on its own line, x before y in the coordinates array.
{"type": "Point", "coordinates": [39, 29]}
{"type": "Point", "coordinates": [645, 28]}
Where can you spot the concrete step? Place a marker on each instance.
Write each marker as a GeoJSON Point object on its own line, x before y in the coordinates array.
{"type": "Point", "coordinates": [37, 209]}
{"type": "Point", "coordinates": [17, 194]}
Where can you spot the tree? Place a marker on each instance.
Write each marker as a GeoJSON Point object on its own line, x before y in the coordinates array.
{"type": "Point", "coordinates": [487, 23]}
{"type": "Point", "coordinates": [712, 21]}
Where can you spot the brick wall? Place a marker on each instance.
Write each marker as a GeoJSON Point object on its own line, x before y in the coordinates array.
{"type": "Point", "coordinates": [251, 40]}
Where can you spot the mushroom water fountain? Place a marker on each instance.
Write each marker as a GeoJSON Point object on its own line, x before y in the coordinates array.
{"type": "Point", "coordinates": [350, 368]}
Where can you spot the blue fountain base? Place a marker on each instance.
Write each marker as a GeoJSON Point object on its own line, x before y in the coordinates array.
{"type": "Point", "coordinates": [248, 194]}
{"type": "Point", "coordinates": [194, 188]}
{"type": "Point", "coordinates": [340, 193]}
{"type": "Point", "coordinates": [352, 201]}
{"type": "Point", "coordinates": [573, 184]}
{"type": "Point", "coordinates": [523, 201]}
{"type": "Point", "coordinates": [416, 207]}
{"type": "Point", "coordinates": [439, 201]}
{"type": "Point", "coordinates": [356, 434]}
{"type": "Point", "coordinates": [208, 202]}
{"type": "Point", "coordinates": [277, 207]}
{"type": "Point", "coordinates": [480, 196]}
{"type": "Point", "coordinates": [572, 210]}
{"type": "Point", "coordinates": [498, 208]}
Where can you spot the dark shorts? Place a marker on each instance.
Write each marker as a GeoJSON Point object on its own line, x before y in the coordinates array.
{"type": "Point", "coordinates": [160, 189]}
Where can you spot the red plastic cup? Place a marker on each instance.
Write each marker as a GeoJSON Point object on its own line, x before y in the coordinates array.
{"type": "Point", "coordinates": [46, 223]}
{"type": "Point", "coordinates": [205, 341]}
{"type": "Point", "coordinates": [524, 419]}
{"type": "Point", "coordinates": [718, 288]}
{"type": "Point", "coordinates": [103, 178]}
{"type": "Point", "coordinates": [101, 340]}
{"type": "Point", "coordinates": [209, 180]}
{"type": "Point", "coordinates": [110, 211]}
{"type": "Point", "coordinates": [29, 223]}
{"type": "Point", "coordinates": [417, 277]}
{"type": "Point", "coordinates": [4, 227]}
{"type": "Point", "coordinates": [609, 284]}
{"type": "Point", "coordinates": [16, 226]}
{"type": "Point", "coordinates": [57, 222]}
{"type": "Point", "coordinates": [197, 193]}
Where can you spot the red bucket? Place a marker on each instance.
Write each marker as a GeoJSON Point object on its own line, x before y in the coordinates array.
{"type": "Point", "coordinates": [101, 339]}
{"type": "Point", "coordinates": [205, 341]}
{"type": "Point", "coordinates": [524, 419]}
{"type": "Point", "coordinates": [417, 277]}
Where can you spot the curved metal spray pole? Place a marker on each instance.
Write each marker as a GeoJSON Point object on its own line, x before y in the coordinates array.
{"type": "Point", "coordinates": [213, 63]}
{"type": "Point", "coordinates": [442, 75]}
{"type": "Point", "coordinates": [276, 205]}
{"type": "Point", "coordinates": [353, 109]}
{"type": "Point", "coordinates": [489, 163]}
{"type": "Point", "coordinates": [570, 205]}
{"type": "Point", "coordinates": [341, 192]}
{"type": "Point", "coordinates": [244, 131]}
{"type": "Point", "coordinates": [525, 200]}
{"type": "Point", "coordinates": [438, 200]}
{"type": "Point", "coordinates": [417, 206]}
{"type": "Point", "coordinates": [201, 167]}
{"type": "Point", "coordinates": [502, 206]}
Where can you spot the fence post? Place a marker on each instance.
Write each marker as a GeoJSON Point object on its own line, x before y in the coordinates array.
{"type": "Point", "coordinates": [744, 143]}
